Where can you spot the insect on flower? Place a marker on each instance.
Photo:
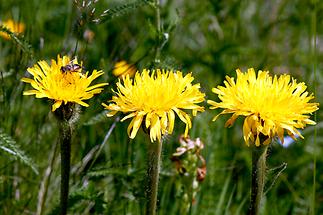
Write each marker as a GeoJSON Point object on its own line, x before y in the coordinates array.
{"type": "Point", "coordinates": [49, 81]}
{"type": "Point", "coordinates": [72, 67]}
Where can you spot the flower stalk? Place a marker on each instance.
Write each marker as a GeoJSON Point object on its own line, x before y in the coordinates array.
{"type": "Point", "coordinates": [154, 163]}
{"type": "Point", "coordinates": [258, 178]}
{"type": "Point", "coordinates": [153, 100]}
{"type": "Point", "coordinates": [271, 106]}
{"type": "Point", "coordinates": [64, 114]}
{"type": "Point", "coordinates": [65, 83]}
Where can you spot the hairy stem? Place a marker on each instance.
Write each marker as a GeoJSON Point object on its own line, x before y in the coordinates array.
{"type": "Point", "coordinates": [154, 162]}
{"type": "Point", "coordinates": [65, 133]}
{"type": "Point", "coordinates": [258, 178]}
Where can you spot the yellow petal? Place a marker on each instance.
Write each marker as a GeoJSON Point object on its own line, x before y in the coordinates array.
{"type": "Point", "coordinates": [148, 120]}
{"type": "Point", "coordinates": [129, 116]}
{"type": "Point", "coordinates": [158, 95]}
{"type": "Point", "coordinates": [56, 105]}
{"type": "Point", "coordinates": [49, 81]}
{"type": "Point", "coordinates": [246, 131]}
{"type": "Point", "coordinates": [230, 121]}
{"type": "Point", "coordinates": [257, 141]}
{"type": "Point", "coordinates": [155, 129]}
{"type": "Point", "coordinates": [171, 121]}
{"type": "Point", "coordinates": [136, 125]}
{"type": "Point", "coordinates": [274, 104]}
{"type": "Point", "coordinates": [111, 113]}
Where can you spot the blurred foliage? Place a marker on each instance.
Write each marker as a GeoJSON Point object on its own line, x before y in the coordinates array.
{"type": "Point", "coordinates": [208, 38]}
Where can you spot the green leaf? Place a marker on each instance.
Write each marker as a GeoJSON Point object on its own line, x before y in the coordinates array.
{"type": "Point", "coordinates": [119, 171]}
{"type": "Point", "coordinates": [109, 14]}
{"type": "Point", "coordinates": [9, 145]}
{"type": "Point", "coordinates": [222, 203]}
{"type": "Point", "coordinates": [81, 194]}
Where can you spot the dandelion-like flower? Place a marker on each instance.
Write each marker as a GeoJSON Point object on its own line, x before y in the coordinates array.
{"type": "Point", "coordinates": [154, 98]}
{"type": "Point", "coordinates": [13, 26]}
{"type": "Point", "coordinates": [271, 105]}
{"type": "Point", "coordinates": [63, 82]}
{"type": "Point", "coordinates": [122, 69]}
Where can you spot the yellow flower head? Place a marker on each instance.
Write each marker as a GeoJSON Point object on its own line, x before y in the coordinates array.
{"type": "Point", "coordinates": [270, 105]}
{"type": "Point", "coordinates": [14, 27]}
{"type": "Point", "coordinates": [154, 98]}
{"type": "Point", "coordinates": [122, 69]}
{"type": "Point", "coordinates": [61, 83]}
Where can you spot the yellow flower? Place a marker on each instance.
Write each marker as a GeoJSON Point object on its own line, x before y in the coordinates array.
{"type": "Point", "coordinates": [14, 27]}
{"type": "Point", "coordinates": [154, 98]}
{"type": "Point", "coordinates": [62, 86]}
{"type": "Point", "coordinates": [122, 69]}
{"type": "Point", "coordinates": [270, 105]}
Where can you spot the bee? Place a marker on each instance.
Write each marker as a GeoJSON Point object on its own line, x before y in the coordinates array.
{"type": "Point", "coordinates": [71, 67]}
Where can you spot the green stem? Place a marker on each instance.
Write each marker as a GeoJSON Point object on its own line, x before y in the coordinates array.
{"type": "Point", "coordinates": [154, 162]}
{"type": "Point", "coordinates": [65, 143]}
{"type": "Point", "coordinates": [258, 178]}
{"type": "Point", "coordinates": [64, 114]}
{"type": "Point", "coordinates": [158, 28]}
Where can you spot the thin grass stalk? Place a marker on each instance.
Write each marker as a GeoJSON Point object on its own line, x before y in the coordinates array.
{"type": "Point", "coordinates": [154, 163]}
{"type": "Point", "coordinates": [97, 153]}
{"type": "Point", "coordinates": [314, 66]}
{"type": "Point", "coordinates": [158, 28]}
{"type": "Point", "coordinates": [42, 195]}
{"type": "Point", "coordinates": [258, 178]}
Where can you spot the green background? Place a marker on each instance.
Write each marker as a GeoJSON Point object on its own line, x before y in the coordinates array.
{"type": "Point", "coordinates": [208, 38]}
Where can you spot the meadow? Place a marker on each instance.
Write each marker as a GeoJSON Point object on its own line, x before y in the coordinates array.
{"type": "Point", "coordinates": [209, 39]}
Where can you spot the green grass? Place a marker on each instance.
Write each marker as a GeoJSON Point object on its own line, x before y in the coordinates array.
{"type": "Point", "coordinates": [208, 38]}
